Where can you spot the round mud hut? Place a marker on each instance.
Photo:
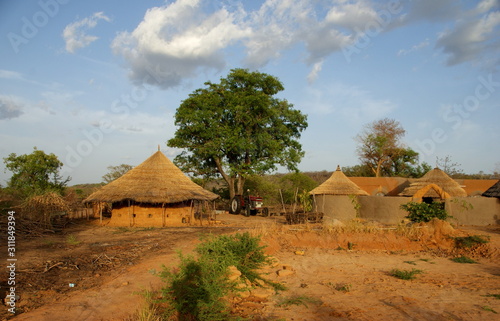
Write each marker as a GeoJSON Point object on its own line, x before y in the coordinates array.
{"type": "Point", "coordinates": [336, 198]}
{"type": "Point", "coordinates": [155, 193]}
{"type": "Point", "coordinates": [435, 184]}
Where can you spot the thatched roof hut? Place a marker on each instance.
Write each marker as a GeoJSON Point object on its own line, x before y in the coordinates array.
{"type": "Point", "coordinates": [155, 193]}
{"type": "Point", "coordinates": [441, 180]}
{"type": "Point", "coordinates": [156, 180]}
{"type": "Point", "coordinates": [493, 191]}
{"type": "Point", "coordinates": [338, 184]}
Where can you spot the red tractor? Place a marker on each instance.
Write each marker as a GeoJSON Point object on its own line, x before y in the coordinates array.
{"type": "Point", "coordinates": [251, 205]}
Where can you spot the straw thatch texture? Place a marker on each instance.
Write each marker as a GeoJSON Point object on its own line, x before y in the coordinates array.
{"type": "Point", "coordinates": [439, 178]}
{"type": "Point", "coordinates": [493, 191]}
{"type": "Point", "coordinates": [338, 184]}
{"type": "Point", "coordinates": [156, 180]}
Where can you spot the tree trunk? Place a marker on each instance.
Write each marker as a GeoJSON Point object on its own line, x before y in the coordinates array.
{"type": "Point", "coordinates": [229, 179]}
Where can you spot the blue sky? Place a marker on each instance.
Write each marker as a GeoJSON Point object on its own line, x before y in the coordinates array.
{"type": "Point", "coordinates": [97, 83]}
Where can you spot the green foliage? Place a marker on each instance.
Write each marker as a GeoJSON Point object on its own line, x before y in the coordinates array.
{"type": "Point", "coordinates": [115, 172]}
{"type": "Point", "coordinates": [293, 182]}
{"type": "Point", "coordinates": [72, 240]}
{"type": "Point", "coordinates": [196, 289]}
{"type": "Point", "coordinates": [237, 128]}
{"type": "Point", "coordinates": [35, 173]}
{"type": "Point", "coordinates": [487, 308]}
{"type": "Point", "coordinates": [496, 296]}
{"type": "Point", "coordinates": [355, 203]}
{"type": "Point", "coordinates": [463, 259]}
{"type": "Point", "coordinates": [470, 241]}
{"type": "Point", "coordinates": [405, 274]}
{"type": "Point", "coordinates": [424, 212]}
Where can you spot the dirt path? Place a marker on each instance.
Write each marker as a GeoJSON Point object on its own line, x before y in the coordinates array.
{"type": "Point", "coordinates": [329, 280]}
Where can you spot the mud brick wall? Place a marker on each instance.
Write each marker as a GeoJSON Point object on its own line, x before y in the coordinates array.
{"type": "Point", "coordinates": [386, 209]}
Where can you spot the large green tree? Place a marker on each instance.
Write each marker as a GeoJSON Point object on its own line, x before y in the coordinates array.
{"type": "Point", "coordinates": [237, 128]}
{"type": "Point", "coordinates": [35, 173]}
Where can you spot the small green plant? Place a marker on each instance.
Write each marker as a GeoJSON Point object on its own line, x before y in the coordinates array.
{"type": "Point", "coordinates": [487, 308]}
{"type": "Point", "coordinates": [463, 259]}
{"type": "Point", "coordinates": [306, 201]}
{"type": "Point", "coordinates": [350, 245]}
{"type": "Point", "coordinates": [195, 290]}
{"type": "Point", "coordinates": [470, 241]}
{"type": "Point", "coordinates": [355, 203]}
{"type": "Point", "coordinates": [71, 240]}
{"type": "Point", "coordinates": [297, 300]}
{"type": "Point", "coordinates": [48, 243]}
{"type": "Point", "coordinates": [405, 274]}
{"type": "Point", "coordinates": [121, 229]}
{"type": "Point", "coordinates": [150, 311]}
{"type": "Point", "coordinates": [424, 212]}
{"type": "Point", "coordinates": [496, 296]}
{"type": "Point", "coordinates": [410, 262]}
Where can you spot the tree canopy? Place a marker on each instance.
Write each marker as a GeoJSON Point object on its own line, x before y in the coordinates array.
{"type": "Point", "coordinates": [380, 149]}
{"type": "Point", "coordinates": [237, 128]}
{"type": "Point", "coordinates": [116, 172]}
{"type": "Point", "coordinates": [35, 173]}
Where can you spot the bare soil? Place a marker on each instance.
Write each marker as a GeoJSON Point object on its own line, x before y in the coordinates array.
{"type": "Point", "coordinates": [332, 276]}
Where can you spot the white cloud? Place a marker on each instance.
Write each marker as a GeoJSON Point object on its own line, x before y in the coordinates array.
{"type": "Point", "coordinates": [75, 33]}
{"type": "Point", "coordinates": [472, 39]}
{"type": "Point", "coordinates": [181, 39]}
{"type": "Point", "coordinates": [315, 70]}
{"type": "Point", "coordinates": [10, 107]}
{"type": "Point", "coordinates": [8, 74]}
{"type": "Point", "coordinates": [423, 44]}
{"type": "Point", "coordinates": [178, 40]}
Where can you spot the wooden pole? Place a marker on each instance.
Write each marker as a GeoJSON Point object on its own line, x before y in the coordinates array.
{"type": "Point", "coordinates": [282, 203]}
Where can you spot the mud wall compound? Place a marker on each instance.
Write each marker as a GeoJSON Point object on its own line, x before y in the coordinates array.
{"type": "Point", "coordinates": [151, 215]}
{"type": "Point", "coordinates": [480, 211]}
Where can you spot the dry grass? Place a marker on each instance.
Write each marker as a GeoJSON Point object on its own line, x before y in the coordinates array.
{"type": "Point", "coordinates": [355, 226]}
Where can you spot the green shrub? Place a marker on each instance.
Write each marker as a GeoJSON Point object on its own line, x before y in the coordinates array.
{"type": "Point", "coordinates": [196, 289]}
{"type": "Point", "coordinates": [405, 274]}
{"type": "Point", "coordinates": [463, 259]}
{"type": "Point", "coordinates": [470, 241]}
{"type": "Point", "coordinates": [424, 212]}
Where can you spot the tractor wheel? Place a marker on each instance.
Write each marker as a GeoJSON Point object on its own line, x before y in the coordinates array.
{"type": "Point", "coordinates": [265, 212]}
{"type": "Point", "coordinates": [235, 206]}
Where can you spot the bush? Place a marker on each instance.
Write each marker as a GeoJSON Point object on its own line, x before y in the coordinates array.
{"type": "Point", "coordinates": [196, 289]}
{"type": "Point", "coordinates": [463, 259]}
{"type": "Point", "coordinates": [470, 241]}
{"type": "Point", "coordinates": [405, 274]}
{"type": "Point", "coordinates": [424, 212]}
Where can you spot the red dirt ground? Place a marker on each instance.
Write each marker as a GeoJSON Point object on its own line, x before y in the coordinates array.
{"type": "Point", "coordinates": [335, 276]}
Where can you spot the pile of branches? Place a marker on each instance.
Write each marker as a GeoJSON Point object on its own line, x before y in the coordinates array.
{"type": "Point", "coordinates": [42, 209]}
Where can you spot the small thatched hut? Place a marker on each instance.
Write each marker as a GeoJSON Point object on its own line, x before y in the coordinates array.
{"type": "Point", "coordinates": [493, 191]}
{"type": "Point", "coordinates": [337, 197]}
{"type": "Point", "coordinates": [154, 193]}
{"type": "Point", "coordinates": [435, 184]}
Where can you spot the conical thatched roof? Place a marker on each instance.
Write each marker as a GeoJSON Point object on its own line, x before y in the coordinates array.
{"type": "Point", "coordinates": [338, 184]}
{"type": "Point", "coordinates": [439, 178]}
{"type": "Point", "coordinates": [493, 191]}
{"type": "Point", "coordinates": [156, 180]}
